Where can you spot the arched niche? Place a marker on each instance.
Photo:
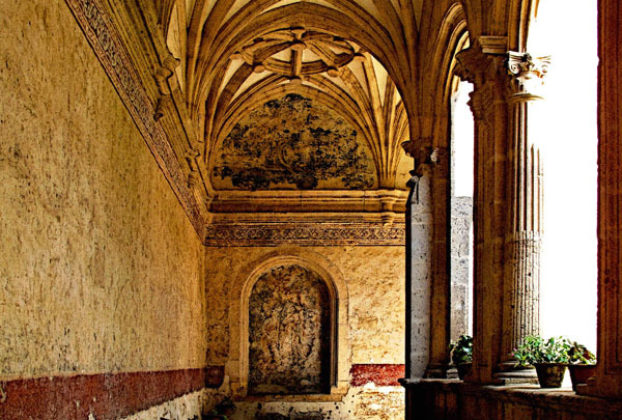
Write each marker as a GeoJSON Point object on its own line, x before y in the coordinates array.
{"type": "Point", "coordinates": [319, 267]}
{"type": "Point", "coordinates": [291, 333]}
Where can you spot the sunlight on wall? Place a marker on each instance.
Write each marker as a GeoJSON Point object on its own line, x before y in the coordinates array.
{"type": "Point", "coordinates": [463, 168]}
{"type": "Point", "coordinates": [564, 125]}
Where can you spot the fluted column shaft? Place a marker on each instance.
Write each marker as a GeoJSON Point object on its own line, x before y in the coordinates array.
{"type": "Point", "coordinates": [507, 203]}
{"type": "Point", "coordinates": [521, 315]}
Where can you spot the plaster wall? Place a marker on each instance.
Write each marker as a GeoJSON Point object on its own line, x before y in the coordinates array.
{"type": "Point", "coordinates": [374, 278]}
{"type": "Point", "coordinates": [190, 406]}
{"type": "Point", "coordinates": [100, 270]}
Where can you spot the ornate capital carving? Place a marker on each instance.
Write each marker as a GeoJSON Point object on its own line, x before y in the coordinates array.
{"type": "Point", "coordinates": [480, 68]}
{"type": "Point", "coordinates": [470, 63]}
{"type": "Point", "coordinates": [527, 72]}
{"type": "Point", "coordinates": [425, 156]}
{"type": "Point", "coordinates": [422, 152]}
{"type": "Point", "coordinates": [162, 74]}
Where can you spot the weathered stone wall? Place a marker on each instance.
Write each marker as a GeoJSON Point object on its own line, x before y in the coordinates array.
{"type": "Point", "coordinates": [375, 282]}
{"type": "Point", "coordinates": [374, 277]}
{"type": "Point", "coordinates": [100, 270]}
{"type": "Point", "coordinates": [187, 407]}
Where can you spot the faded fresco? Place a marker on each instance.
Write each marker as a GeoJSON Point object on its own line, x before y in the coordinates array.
{"type": "Point", "coordinates": [289, 333]}
{"type": "Point", "coordinates": [293, 143]}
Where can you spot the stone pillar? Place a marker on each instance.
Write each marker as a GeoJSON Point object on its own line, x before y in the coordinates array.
{"type": "Point", "coordinates": [521, 289]}
{"type": "Point", "coordinates": [418, 266]}
{"type": "Point", "coordinates": [506, 203]}
{"type": "Point", "coordinates": [608, 379]}
{"type": "Point", "coordinates": [489, 106]}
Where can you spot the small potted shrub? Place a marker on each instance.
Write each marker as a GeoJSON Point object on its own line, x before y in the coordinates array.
{"type": "Point", "coordinates": [582, 364]}
{"type": "Point", "coordinates": [549, 357]}
{"type": "Point", "coordinates": [461, 352]}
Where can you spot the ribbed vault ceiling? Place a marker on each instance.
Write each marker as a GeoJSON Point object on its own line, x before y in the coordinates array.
{"type": "Point", "coordinates": [335, 72]}
{"type": "Point", "coordinates": [349, 55]}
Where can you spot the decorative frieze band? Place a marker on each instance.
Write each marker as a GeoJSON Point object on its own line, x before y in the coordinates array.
{"type": "Point", "coordinates": [106, 42]}
{"type": "Point", "coordinates": [305, 234]}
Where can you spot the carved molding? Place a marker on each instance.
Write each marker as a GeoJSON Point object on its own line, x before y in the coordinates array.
{"type": "Point", "coordinates": [305, 234]}
{"type": "Point", "coordinates": [492, 44]}
{"type": "Point", "coordinates": [107, 45]}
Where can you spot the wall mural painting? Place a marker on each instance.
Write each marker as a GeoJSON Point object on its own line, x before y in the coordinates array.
{"type": "Point", "coordinates": [293, 143]}
{"type": "Point", "coordinates": [289, 333]}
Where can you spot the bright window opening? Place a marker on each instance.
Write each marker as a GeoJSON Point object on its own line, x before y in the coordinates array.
{"type": "Point", "coordinates": [462, 156]}
{"type": "Point", "coordinates": [564, 126]}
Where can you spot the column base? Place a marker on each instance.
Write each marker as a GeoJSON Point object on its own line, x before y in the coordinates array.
{"type": "Point", "coordinates": [509, 374]}
{"type": "Point", "coordinates": [436, 371]}
{"type": "Point", "coordinates": [452, 373]}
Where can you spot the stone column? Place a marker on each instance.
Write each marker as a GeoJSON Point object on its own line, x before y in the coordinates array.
{"type": "Point", "coordinates": [507, 202]}
{"type": "Point", "coordinates": [418, 265]}
{"type": "Point", "coordinates": [486, 71]}
{"type": "Point", "coordinates": [608, 379]}
{"type": "Point", "coordinates": [521, 289]}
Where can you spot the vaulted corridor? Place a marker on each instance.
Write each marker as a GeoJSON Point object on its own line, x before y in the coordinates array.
{"type": "Point", "coordinates": [246, 209]}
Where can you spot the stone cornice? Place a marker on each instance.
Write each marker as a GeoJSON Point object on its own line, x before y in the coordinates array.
{"type": "Point", "coordinates": [318, 205]}
{"type": "Point", "coordinates": [114, 57]}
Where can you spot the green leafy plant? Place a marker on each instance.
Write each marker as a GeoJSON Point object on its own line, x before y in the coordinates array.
{"type": "Point", "coordinates": [461, 351]}
{"type": "Point", "coordinates": [578, 354]}
{"type": "Point", "coordinates": [535, 349]}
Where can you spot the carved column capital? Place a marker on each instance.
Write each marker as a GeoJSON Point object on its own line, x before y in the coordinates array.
{"type": "Point", "coordinates": [470, 64]}
{"type": "Point", "coordinates": [422, 153]}
{"type": "Point", "coordinates": [527, 74]}
{"type": "Point", "coordinates": [489, 76]}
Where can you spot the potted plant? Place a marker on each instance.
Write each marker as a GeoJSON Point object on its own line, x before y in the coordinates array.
{"type": "Point", "coordinates": [461, 352]}
{"type": "Point", "coordinates": [582, 364]}
{"type": "Point", "coordinates": [549, 357]}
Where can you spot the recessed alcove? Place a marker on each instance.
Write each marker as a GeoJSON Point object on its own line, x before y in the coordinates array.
{"type": "Point", "coordinates": [290, 333]}
{"type": "Point", "coordinates": [301, 296]}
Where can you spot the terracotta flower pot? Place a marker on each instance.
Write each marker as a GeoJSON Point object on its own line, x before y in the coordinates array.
{"type": "Point", "coordinates": [550, 375]}
{"type": "Point", "coordinates": [464, 369]}
{"type": "Point", "coordinates": [579, 374]}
